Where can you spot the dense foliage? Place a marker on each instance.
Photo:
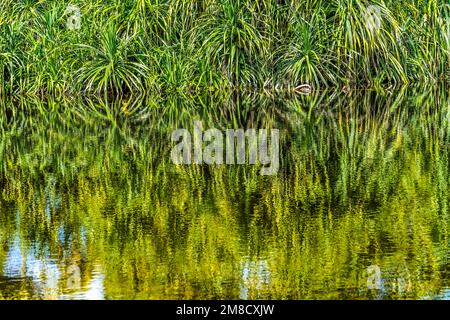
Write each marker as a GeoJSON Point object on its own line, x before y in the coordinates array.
{"type": "Point", "coordinates": [188, 45]}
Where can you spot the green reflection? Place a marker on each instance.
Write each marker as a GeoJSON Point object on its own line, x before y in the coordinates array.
{"type": "Point", "coordinates": [89, 186]}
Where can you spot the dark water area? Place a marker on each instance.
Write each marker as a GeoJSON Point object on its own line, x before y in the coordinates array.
{"type": "Point", "coordinates": [92, 206]}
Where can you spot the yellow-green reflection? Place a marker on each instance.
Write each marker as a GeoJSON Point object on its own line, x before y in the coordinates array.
{"type": "Point", "coordinates": [88, 189]}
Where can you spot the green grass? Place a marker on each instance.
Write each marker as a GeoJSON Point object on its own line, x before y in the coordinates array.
{"type": "Point", "coordinates": [185, 45]}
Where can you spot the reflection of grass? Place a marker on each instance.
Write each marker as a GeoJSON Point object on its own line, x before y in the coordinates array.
{"type": "Point", "coordinates": [173, 45]}
{"type": "Point", "coordinates": [353, 191]}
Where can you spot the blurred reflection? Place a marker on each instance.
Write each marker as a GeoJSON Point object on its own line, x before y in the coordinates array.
{"type": "Point", "coordinates": [91, 206]}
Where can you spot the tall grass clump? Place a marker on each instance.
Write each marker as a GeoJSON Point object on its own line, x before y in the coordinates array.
{"type": "Point", "coordinates": [124, 46]}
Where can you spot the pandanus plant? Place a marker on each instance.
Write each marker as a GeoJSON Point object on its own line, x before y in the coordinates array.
{"type": "Point", "coordinates": [231, 40]}
{"type": "Point", "coordinates": [112, 66]}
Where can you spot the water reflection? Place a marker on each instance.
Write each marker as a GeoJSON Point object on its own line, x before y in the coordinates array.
{"type": "Point", "coordinates": [255, 275]}
{"type": "Point", "coordinates": [92, 208]}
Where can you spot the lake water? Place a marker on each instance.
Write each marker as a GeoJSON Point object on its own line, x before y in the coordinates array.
{"type": "Point", "coordinates": [92, 207]}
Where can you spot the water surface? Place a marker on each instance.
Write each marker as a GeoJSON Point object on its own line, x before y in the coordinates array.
{"type": "Point", "coordinates": [91, 206]}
